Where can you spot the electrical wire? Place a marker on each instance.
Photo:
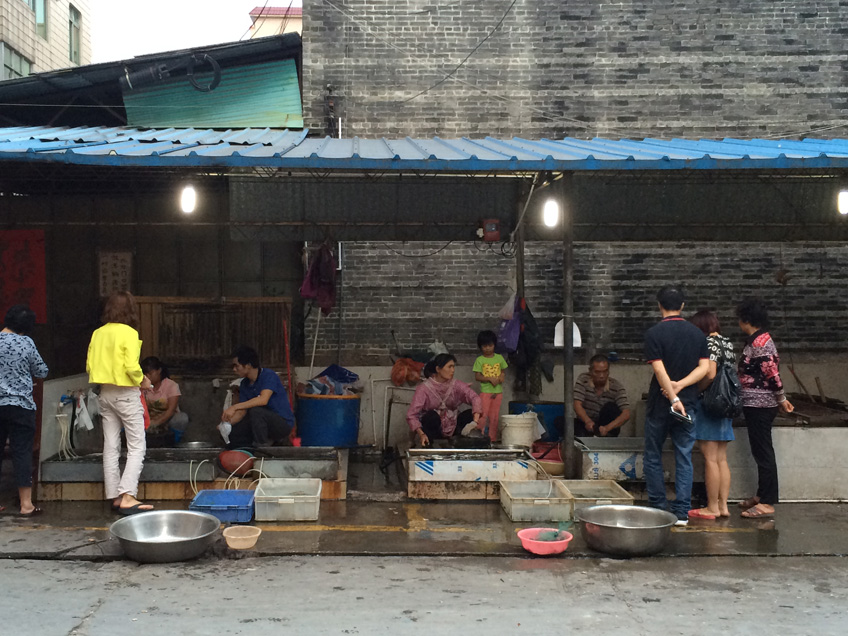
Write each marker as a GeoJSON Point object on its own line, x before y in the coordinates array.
{"type": "Point", "coordinates": [285, 21]}
{"type": "Point", "coordinates": [465, 59]}
{"type": "Point", "coordinates": [253, 22]}
{"type": "Point", "coordinates": [417, 255]}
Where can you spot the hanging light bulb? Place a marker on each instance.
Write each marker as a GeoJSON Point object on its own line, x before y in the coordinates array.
{"type": "Point", "coordinates": [550, 213]}
{"type": "Point", "coordinates": [188, 199]}
{"type": "Point", "coordinates": [842, 202]}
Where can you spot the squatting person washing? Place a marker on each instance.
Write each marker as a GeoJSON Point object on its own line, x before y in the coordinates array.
{"type": "Point", "coordinates": [433, 412]}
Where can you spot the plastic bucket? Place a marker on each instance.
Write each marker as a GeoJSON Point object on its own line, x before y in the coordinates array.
{"type": "Point", "coordinates": [518, 430]}
{"type": "Point", "coordinates": [328, 420]}
{"type": "Point", "coordinates": [548, 412]}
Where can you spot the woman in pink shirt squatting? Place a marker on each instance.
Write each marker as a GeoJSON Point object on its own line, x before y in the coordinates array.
{"type": "Point", "coordinates": [432, 414]}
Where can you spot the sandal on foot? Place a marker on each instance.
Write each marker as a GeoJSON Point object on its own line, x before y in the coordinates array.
{"type": "Point", "coordinates": [750, 502]}
{"type": "Point", "coordinates": [698, 514]}
{"type": "Point", "coordinates": [32, 513]}
{"type": "Point", "coordinates": [755, 512]}
{"type": "Point", "coordinates": [133, 510]}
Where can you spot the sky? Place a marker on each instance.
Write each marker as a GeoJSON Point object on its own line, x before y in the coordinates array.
{"type": "Point", "coordinates": [121, 29]}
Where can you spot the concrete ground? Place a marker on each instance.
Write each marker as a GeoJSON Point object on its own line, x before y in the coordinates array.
{"type": "Point", "coordinates": [396, 566]}
{"type": "Point", "coordinates": [427, 595]}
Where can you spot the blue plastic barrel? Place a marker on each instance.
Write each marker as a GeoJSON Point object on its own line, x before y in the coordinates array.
{"type": "Point", "coordinates": [328, 420]}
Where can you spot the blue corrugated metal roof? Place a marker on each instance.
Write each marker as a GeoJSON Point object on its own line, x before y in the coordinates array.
{"type": "Point", "coordinates": [267, 147]}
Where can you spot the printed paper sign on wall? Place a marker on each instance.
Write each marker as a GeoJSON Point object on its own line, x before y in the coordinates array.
{"type": "Point", "coordinates": [22, 272]}
{"type": "Point", "coordinates": [115, 272]}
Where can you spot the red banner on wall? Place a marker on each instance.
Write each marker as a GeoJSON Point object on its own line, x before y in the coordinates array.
{"type": "Point", "coordinates": [22, 272]}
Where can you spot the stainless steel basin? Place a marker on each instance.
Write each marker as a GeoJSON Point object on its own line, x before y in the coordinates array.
{"type": "Point", "coordinates": [163, 536]}
{"type": "Point", "coordinates": [625, 531]}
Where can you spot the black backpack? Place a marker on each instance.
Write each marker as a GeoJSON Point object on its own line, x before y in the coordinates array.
{"type": "Point", "coordinates": [723, 398]}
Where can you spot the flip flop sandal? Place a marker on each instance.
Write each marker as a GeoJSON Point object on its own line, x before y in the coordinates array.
{"type": "Point", "coordinates": [756, 513]}
{"type": "Point", "coordinates": [133, 510]}
{"type": "Point", "coordinates": [33, 513]}
{"type": "Point", "coordinates": [697, 514]}
{"type": "Point", "coordinates": [750, 502]}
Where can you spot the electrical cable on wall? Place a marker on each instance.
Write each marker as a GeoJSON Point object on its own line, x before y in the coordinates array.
{"type": "Point", "coordinates": [465, 59]}
{"type": "Point", "coordinates": [417, 255]}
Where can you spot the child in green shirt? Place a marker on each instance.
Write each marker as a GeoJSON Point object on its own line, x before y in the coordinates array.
{"type": "Point", "coordinates": [489, 372]}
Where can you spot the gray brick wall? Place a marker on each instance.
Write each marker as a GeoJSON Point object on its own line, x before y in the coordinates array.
{"type": "Point", "coordinates": [452, 294]}
{"type": "Point", "coordinates": [581, 68]}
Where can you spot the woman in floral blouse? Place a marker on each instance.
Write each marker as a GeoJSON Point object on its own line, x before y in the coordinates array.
{"type": "Point", "coordinates": [762, 397]}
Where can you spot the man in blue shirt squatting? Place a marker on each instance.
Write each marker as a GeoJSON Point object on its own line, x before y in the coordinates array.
{"type": "Point", "coordinates": [677, 351]}
{"type": "Point", "coordinates": [263, 415]}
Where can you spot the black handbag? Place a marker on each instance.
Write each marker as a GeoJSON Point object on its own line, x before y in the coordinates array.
{"type": "Point", "coordinates": [723, 398]}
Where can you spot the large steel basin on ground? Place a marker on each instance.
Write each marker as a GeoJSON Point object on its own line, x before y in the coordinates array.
{"type": "Point", "coordinates": [625, 531]}
{"type": "Point", "coordinates": [165, 536]}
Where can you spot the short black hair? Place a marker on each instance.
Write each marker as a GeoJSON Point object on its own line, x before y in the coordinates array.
{"type": "Point", "coordinates": [486, 337]}
{"type": "Point", "coordinates": [20, 319]}
{"type": "Point", "coordinates": [671, 298]}
{"type": "Point", "coordinates": [152, 363]}
{"type": "Point", "coordinates": [754, 312]}
{"type": "Point", "coordinates": [442, 359]}
{"type": "Point", "coordinates": [246, 355]}
{"type": "Point", "coordinates": [600, 357]}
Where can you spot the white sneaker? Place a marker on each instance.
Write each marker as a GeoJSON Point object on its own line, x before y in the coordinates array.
{"type": "Point", "coordinates": [225, 428]}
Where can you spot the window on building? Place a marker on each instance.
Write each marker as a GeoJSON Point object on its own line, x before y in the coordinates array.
{"type": "Point", "coordinates": [30, 4]}
{"type": "Point", "coordinates": [41, 18]}
{"type": "Point", "coordinates": [74, 33]}
{"type": "Point", "coordinates": [14, 64]}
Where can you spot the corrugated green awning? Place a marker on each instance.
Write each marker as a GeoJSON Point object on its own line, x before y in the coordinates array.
{"type": "Point", "coordinates": [256, 95]}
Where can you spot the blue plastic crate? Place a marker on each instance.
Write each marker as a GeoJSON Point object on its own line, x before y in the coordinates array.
{"type": "Point", "coordinates": [230, 506]}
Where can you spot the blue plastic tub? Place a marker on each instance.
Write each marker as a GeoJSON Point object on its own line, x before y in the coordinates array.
{"type": "Point", "coordinates": [230, 506]}
{"type": "Point", "coordinates": [328, 420]}
{"type": "Point", "coordinates": [547, 412]}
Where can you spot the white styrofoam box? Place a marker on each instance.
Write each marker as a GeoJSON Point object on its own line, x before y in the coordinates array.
{"type": "Point", "coordinates": [546, 500]}
{"type": "Point", "coordinates": [279, 499]}
{"type": "Point", "coordinates": [588, 492]}
{"type": "Point", "coordinates": [621, 459]}
{"type": "Point", "coordinates": [470, 470]}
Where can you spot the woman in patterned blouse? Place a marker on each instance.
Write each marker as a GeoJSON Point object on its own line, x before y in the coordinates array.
{"type": "Point", "coordinates": [20, 362]}
{"type": "Point", "coordinates": [762, 397]}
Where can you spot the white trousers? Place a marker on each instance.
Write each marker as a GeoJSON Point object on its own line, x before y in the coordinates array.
{"type": "Point", "coordinates": [120, 407]}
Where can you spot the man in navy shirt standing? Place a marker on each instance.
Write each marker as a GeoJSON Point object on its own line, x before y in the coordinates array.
{"type": "Point", "coordinates": [263, 415]}
{"type": "Point", "coordinates": [677, 351]}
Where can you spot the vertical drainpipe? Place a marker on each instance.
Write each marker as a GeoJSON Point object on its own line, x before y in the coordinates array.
{"type": "Point", "coordinates": [565, 195]}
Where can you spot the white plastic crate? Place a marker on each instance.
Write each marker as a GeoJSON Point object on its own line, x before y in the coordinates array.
{"type": "Point", "coordinates": [287, 499]}
{"type": "Point", "coordinates": [592, 492]}
{"type": "Point", "coordinates": [543, 500]}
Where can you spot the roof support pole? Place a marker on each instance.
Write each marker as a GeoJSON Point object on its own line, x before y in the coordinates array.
{"type": "Point", "coordinates": [519, 252]}
{"type": "Point", "coordinates": [564, 193]}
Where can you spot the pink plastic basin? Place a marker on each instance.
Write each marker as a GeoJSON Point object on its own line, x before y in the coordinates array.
{"type": "Point", "coordinates": [528, 541]}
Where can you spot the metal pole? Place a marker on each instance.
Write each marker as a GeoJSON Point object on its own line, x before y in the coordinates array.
{"type": "Point", "coordinates": [566, 200]}
{"type": "Point", "coordinates": [519, 258]}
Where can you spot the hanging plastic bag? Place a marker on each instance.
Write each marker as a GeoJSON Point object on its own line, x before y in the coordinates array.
{"type": "Point", "coordinates": [92, 403]}
{"type": "Point", "coordinates": [509, 332]}
{"type": "Point", "coordinates": [508, 310]}
{"type": "Point", "coordinates": [83, 417]}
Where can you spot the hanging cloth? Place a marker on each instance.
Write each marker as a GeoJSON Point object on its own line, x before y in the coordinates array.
{"type": "Point", "coordinates": [319, 284]}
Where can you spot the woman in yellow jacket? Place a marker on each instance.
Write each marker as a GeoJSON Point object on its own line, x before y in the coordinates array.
{"type": "Point", "coordinates": [112, 362]}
